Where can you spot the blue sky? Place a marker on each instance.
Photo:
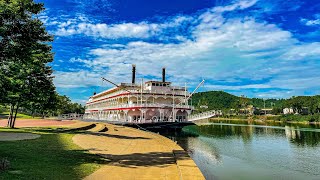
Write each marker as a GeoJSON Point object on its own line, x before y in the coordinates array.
{"type": "Point", "coordinates": [259, 48]}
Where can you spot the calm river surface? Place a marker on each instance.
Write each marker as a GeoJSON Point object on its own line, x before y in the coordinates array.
{"type": "Point", "coordinates": [225, 150]}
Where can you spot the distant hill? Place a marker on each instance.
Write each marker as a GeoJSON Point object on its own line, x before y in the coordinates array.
{"type": "Point", "coordinates": [215, 100]}
{"type": "Point", "coordinates": [223, 101]}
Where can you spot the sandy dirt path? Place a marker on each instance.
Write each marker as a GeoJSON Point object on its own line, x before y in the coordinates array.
{"type": "Point", "coordinates": [135, 154]}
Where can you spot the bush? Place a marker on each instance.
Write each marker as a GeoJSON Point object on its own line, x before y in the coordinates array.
{"type": "Point", "coordinates": [4, 164]}
{"type": "Point", "coordinates": [300, 118]}
{"type": "Point", "coordinates": [2, 109]}
{"type": "Point", "coordinates": [235, 116]}
{"type": "Point", "coordinates": [275, 118]}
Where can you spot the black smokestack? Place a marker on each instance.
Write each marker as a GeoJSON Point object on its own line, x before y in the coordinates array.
{"type": "Point", "coordinates": [163, 74]}
{"type": "Point", "coordinates": [133, 73]}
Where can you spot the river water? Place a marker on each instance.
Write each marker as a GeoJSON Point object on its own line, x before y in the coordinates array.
{"type": "Point", "coordinates": [234, 150]}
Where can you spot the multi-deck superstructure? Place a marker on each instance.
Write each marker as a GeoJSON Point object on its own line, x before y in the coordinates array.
{"type": "Point", "coordinates": [149, 102]}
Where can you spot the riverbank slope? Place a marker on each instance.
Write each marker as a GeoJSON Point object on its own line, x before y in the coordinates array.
{"type": "Point", "coordinates": [257, 120]}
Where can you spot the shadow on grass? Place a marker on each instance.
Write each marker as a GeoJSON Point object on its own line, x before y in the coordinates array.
{"type": "Point", "coordinates": [52, 156]}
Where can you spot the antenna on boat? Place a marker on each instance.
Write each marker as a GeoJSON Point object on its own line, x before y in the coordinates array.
{"type": "Point", "coordinates": [95, 91]}
{"type": "Point", "coordinates": [104, 79]}
{"type": "Point", "coordinates": [201, 83]}
{"type": "Point", "coordinates": [186, 98]}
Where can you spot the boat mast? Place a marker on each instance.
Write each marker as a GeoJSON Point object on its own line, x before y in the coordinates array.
{"type": "Point", "coordinates": [173, 114]}
{"type": "Point", "coordinates": [104, 79]}
{"type": "Point", "coordinates": [196, 89]}
{"type": "Point", "coordinates": [185, 94]}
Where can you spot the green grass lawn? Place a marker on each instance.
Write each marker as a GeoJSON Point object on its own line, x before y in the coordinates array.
{"type": "Point", "coordinates": [52, 156]}
{"type": "Point", "coordinates": [5, 115]}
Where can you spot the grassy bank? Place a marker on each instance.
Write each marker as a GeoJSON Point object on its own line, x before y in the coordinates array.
{"type": "Point", "coordinates": [282, 118]}
{"type": "Point", "coordinates": [5, 115]}
{"type": "Point", "coordinates": [52, 156]}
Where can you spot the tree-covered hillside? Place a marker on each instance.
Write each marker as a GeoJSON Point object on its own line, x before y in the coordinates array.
{"type": "Point", "coordinates": [225, 101]}
{"type": "Point", "coordinates": [215, 100]}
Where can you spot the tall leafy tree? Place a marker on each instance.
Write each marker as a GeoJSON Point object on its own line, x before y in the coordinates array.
{"type": "Point", "coordinates": [64, 106]}
{"type": "Point", "coordinates": [24, 55]}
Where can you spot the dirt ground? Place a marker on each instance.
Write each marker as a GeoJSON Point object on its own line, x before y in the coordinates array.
{"type": "Point", "coordinates": [136, 154]}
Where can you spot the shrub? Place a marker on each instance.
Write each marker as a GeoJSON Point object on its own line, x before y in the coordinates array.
{"type": "Point", "coordinates": [300, 118]}
{"type": "Point", "coordinates": [275, 118]}
{"type": "Point", "coordinates": [2, 109]}
{"type": "Point", "coordinates": [4, 164]}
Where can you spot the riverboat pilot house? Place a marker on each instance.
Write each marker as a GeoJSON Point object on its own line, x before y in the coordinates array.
{"type": "Point", "coordinates": [149, 102]}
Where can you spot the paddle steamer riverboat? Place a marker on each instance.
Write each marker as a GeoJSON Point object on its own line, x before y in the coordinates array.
{"type": "Point", "coordinates": [149, 102]}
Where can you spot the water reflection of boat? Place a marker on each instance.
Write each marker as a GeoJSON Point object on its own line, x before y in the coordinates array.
{"type": "Point", "coordinates": [200, 148]}
{"type": "Point", "coordinates": [291, 133]}
{"type": "Point", "coordinates": [302, 137]}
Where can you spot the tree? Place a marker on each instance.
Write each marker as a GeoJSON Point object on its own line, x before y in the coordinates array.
{"type": "Point", "coordinates": [3, 92]}
{"type": "Point", "coordinates": [24, 54]}
{"type": "Point", "coordinates": [244, 101]}
{"type": "Point", "coordinates": [65, 106]}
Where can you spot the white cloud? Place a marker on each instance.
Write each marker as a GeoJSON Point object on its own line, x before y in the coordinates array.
{"type": "Point", "coordinates": [81, 25]}
{"type": "Point", "coordinates": [235, 87]}
{"type": "Point", "coordinates": [125, 30]}
{"type": "Point", "coordinates": [241, 4]}
{"type": "Point", "coordinates": [306, 50]}
{"type": "Point", "coordinates": [275, 94]}
{"type": "Point", "coordinates": [74, 79]}
{"type": "Point", "coordinates": [309, 22]}
{"type": "Point", "coordinates": [219, 49]}
{"type": "Point", "coordinates": [212, 50]}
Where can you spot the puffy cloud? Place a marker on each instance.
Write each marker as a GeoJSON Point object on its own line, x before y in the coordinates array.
{"type": "Point", "coordinates": [74, 79]}
{"type": "Point", "coordinates": [125, 30]}
{"type": "Point", "coordinates": [240, 87]}
{"type": "Point", "coordinates": [218, 48]}
{"type": "Point", "coordinates": [310, 22]}
{"type": "Point", "coordinates": [303, 51]}
{"type": "Point", "coordinates": [242, 4]}
{"type": "Point", "coordinates": [81, 25]}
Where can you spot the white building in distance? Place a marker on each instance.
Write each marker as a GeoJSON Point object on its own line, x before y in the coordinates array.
{"type": "Point", "coordinates": [288, 111]}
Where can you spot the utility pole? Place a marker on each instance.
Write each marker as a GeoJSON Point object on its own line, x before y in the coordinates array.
{"type": "Point", "coordinates": [185, 94]}
{"type": "Point", "coordinates": [141, 90]}
{"type": "Point", "coordinates": [173, 114]}
{"type": "Point", "coordinates": [264, 104]}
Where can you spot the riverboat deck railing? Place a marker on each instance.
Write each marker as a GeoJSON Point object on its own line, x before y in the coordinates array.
{"type": "Point", "coordinates": [204, 115]}
{"type": "Point", "coordinates": [162, 92]}
{"type": "Point", "coordinates": [144, 105]}
{"type": "Point", "coordinates": [70, 116]}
